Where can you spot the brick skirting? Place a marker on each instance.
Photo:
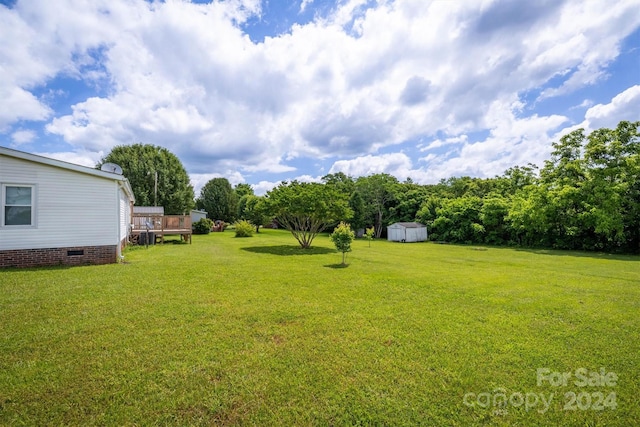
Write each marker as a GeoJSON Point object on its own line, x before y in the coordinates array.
{"type": "Point", "coordinates": [81, 255]}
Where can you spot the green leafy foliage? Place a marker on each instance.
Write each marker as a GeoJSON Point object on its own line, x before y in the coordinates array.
{"type": "Point", "coordinates": [458, 220]}
{"type": "Point", "coordinates": [202, 226]}
{"type": "Point", "coordinates": [218, 198]}
{"type": "Point", "coordinates": [156, 175]}
{"type": "Point", "coordinates": [356, 203]}
{"type": "Point", "coordinates": [379, 193]}
{"type": "Point", "coordinates": [243, 228]}
{"type": "Point", "coordinates": [243, 190]}
{"type": "Point", "coordinates": [369, 234]}
{"type": "Point", "coordinates": [586, 196]}
{"type": "Point", "coordinates": [254, 209]}
{"type": "Point", "coordinates": [305, 209]}
{"type": "Point", "coordinates": [342, 237]}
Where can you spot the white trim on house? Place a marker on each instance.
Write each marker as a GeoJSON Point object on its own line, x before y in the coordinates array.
{"type": "Point", "coordinates": [33, 222]}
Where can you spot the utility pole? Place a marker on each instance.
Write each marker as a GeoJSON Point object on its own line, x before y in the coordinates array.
{"type": "Point", "coordinates": [155, 190]}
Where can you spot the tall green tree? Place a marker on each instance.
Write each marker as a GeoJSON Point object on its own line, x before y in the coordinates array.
{"type": "Point", "coordinates": [254, 209]}
{"type": "Point", "coordinates": [243, 189]}
{"type": "Point", "coordinates": [565, 180]}
{"type": "Point", "coordinates": [219, 200]}
{"type": "Point", "coordinates": [356, 203]}
{"type": "Point", "coordinates": [493, 213]}
{"type": "Point", "coordinates": [341, 182]}
{"type": "Point", "coordinates": [409, 199]}
{"type": "Point", "coordinates": [305, 209]}
{"type": "Point", "coordinates": [587, 196]}
{"type": "Point", "coordinates": [526, 218]}
{"type": "Point", "coordinates": [378, 192]}
{"type": "Point", "coordinates": [516, 178]}
{"type": "Point", "coordinates": [613, 190]}
{"type": "Point", "coordinates": [156, 175]}
{"type": "Point", "coordinates": [458, 220]}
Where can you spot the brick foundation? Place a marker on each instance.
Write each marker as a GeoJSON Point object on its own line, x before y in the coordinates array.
{"type": "Point", "coordinates": [81, 255]}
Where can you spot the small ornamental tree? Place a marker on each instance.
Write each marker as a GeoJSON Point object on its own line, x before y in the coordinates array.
{"type": "Point", "coordinates": [342, 237]}
{"type": "Point", "coordinates": [306, 208]}
{"type": "Point", "coordinates": [369, 233]}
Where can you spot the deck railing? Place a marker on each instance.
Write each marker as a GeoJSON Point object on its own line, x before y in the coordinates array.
{"type": "Point", "coordinates": [162, 225]}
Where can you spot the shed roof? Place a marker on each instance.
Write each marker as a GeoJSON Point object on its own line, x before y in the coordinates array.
{"type": "Point", "coordinates": [410, 224]}
{"type": "Point", "coordinates": [148, 210]}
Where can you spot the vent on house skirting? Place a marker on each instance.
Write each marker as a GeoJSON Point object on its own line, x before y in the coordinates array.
{"type": "Point", "coordinates": [75, 252]}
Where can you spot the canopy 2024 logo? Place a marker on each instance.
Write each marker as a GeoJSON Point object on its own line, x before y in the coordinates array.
{"type": "Point", "coordinates": [578, 398]}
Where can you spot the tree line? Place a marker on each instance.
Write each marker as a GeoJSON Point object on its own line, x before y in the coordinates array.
{"type": "Point", "coordinates": [585, 197]}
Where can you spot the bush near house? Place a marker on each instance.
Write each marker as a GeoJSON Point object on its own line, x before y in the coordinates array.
{"type": "Point", "coordinates": [202, 226]}
{"type": "Point", "coordinates": [244, 228]}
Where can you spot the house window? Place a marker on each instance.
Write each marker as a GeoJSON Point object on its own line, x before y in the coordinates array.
{"type": "Point", "coordinates": [18, 205]}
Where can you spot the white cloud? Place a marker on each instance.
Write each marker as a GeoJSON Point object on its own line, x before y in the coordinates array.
{"type": "Point", "coordinates": [199, 180]}
{"type": "Point", "coordinates": [19, 104]}
{"type": "Point", "coordinates": [624, 106]}
{"type": "Point", "coordinates": [512, 141]}
{"type": "Point", "coordinates": [584, 104]}
{"type": "Point", "coordinates": [84, 158]}
{"type": "Point", "coordinates": [447, 141]}
{"type": "Point", "coordinates": [185, 76]}
{"type": "Point", "coordinates": [397, 164]}
{"type": "Point", "coordinates": [262, 187]}
{"type": "Point", "coordinates": [304, 4]}
{"type": "Point", "coordinates": [23, 136]}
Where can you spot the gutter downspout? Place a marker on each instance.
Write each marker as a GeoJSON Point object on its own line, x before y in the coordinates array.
{"type": "Point", "coordinates": [119, 255]}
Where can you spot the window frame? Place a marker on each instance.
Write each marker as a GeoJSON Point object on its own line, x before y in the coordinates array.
{"type": "Point", "coordinates": [3, 205]}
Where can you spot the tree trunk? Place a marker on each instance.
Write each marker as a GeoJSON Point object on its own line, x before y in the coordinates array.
{"type": "Point", "coordinates": [378, 225]}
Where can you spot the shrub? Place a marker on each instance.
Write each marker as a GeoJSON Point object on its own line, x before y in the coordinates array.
{"type": "Point", "coordinates": [368, 235]}
{"type": "Point", "coordinates": [202, 226]}
{"type": "Point", "coordinates": [342, 237]}
{"type": "Point", "coordinates": [244, 228]}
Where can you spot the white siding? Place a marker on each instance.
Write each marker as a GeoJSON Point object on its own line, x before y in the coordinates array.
{"type": "Point", "coordinates": [399, 233]}
{"type": "Point", "coordinates": [72, 208]}
{"type": "Point", "coordinates": [395, 233]}
{"type": "Point", "coordinates": [125, 215]}
{"type": "Point", "coordinates": [197, 216]}
{"type": "Point", "coordinates": [416, 234]}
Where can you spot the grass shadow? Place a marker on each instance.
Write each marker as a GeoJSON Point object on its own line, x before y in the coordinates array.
{"type": "Point", "coordinates": [285, 250]}
{"type": "Point", "coordinates": [580, 254]}
{"type": "Point", "coordinates": [337, 266]}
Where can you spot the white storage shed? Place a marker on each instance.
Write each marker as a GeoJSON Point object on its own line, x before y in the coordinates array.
{"type": "Point", "coordinates": [407, 232]}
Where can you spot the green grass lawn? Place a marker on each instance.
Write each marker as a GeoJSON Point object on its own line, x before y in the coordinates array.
{"type": "Point", "coordinates": [255, 331]}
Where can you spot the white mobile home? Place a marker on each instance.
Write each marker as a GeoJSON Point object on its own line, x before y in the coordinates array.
{"type": "Point", "coordinates": [407, 232]}
{"type": "Point", "coordinates": [53, 212]}
{"type": "Point", "coordinates": [197, 215]}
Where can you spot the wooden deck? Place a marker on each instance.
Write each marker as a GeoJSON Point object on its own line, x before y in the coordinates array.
{"type": "Point", "coordinates": [160, 226]}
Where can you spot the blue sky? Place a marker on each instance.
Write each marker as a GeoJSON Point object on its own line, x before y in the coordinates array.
{"type": "Point", "coordinates": [265, 91]}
